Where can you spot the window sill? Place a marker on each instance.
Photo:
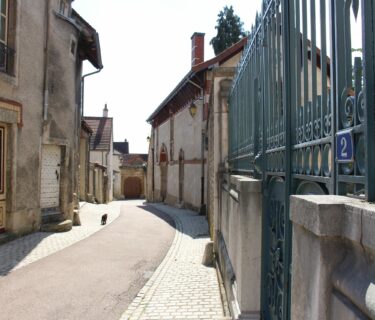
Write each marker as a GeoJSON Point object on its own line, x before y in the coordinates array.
{"type": "Point", "coordinates": [9, 79]}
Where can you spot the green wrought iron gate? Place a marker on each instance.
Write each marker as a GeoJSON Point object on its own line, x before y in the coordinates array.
{"type": "Point", "coordinates": [301, 118]}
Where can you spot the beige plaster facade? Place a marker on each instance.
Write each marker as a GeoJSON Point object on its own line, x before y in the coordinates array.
{"type": "Point", "coordinates": [180, 139]}
{"type": "Point", "coordinates": [116, 175]}
{"type": "Point", "coordinates": [39, 107]}
{"type": "Point", "coordinates": [183, 146]}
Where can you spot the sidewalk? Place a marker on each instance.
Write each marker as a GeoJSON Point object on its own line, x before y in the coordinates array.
{"type": "Point", "coordinates": [25, 250]}
{"type": "Point", "coordinates": [181, 287]}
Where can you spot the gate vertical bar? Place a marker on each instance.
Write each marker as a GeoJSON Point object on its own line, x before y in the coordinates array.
{"type": "Point", "coordinates": [263, 296]}
{"type": "Point", "coordinates": [368, 40]}
{"type": "Point", "coordinates": [287, 17]}
{"type": "Point", "coordinates": [338, 76]}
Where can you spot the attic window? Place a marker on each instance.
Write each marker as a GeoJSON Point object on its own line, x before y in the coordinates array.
{"type": "Point", "coordinates": [64, 8]}
{"type": "Point", "coordinates": [73, 46]}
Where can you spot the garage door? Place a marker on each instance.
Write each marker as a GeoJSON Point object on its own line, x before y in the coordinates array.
{"type": "Point", "coordinates": [50, 184]}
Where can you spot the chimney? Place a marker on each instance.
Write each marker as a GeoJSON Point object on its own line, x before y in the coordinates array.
{"type": "Point", "coordinates": [126, 147]}
{"type": "Point", "coordinates": [197, 48]}
{"type": "Point", "coordinates": [105, 111]}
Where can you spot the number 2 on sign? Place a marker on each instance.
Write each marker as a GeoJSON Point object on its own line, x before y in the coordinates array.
{"type": "Point", "coordinates": [344, 145]}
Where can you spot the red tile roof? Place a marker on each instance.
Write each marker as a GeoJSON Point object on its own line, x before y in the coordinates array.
{"type": "Point", "coordinates": [101, 138]}
{"type": "Point", "coordinates": [134, 159]}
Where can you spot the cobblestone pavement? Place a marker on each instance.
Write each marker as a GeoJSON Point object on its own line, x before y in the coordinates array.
{"type": "Point", "coordinates": [25, 250]}
{"type": "Point", "coordinates": [181, 287]}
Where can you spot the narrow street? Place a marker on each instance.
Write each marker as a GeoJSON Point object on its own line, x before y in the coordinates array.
{"type": "Point", "coordinates": [96, 278]}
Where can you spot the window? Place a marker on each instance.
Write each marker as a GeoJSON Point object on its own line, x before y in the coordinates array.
{"type": "Point", "coordinates": [3, 32]}
{"type": "Point", "coordinates": [64, 8]}
{"type": "Point", "coordinates": [2, 160]}
{"type": "Point", "coordinates": [7, 31]}
{"type": "Point", "coordinates": [73, 47]}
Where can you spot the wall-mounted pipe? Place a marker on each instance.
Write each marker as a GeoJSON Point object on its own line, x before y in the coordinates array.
{"type": "Point", "coordinates": [46, 61]}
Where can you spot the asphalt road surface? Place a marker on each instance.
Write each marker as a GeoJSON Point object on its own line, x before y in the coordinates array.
{"type": "Point", "coordinates": [96, 278]}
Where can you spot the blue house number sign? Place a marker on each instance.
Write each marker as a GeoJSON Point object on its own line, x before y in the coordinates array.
{"type": "Point", "coordinates": [344, 146]}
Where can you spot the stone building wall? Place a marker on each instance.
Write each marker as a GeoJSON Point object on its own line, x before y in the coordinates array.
{"type": "Point", "coordinates": [187, 136]}
{"type": "Point", "coordinates": [29, 112]}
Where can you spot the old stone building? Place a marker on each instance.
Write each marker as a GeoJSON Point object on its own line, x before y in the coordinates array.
{"type": "Point", "coordinates": [101, 153]}
{"type": "Point", "coordinates": [177, 164]}
{"type": "Point", "coordinates": [133, 171]}
{"type": "Point", "coordinates": [42, 46]}
{"type": "Point", "coordinates": [133, 176]}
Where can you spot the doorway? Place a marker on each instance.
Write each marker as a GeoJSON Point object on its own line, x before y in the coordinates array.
{"type": "Point", "coordinates": [50, 178]}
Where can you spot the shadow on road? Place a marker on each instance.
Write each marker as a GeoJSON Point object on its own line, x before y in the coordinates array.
{"type": "Point", "coordinates": [199, 230]}
{"type": "Point", "coordinates": [159, 214]}
{"type": "Point", "coordinates": [14, 252]}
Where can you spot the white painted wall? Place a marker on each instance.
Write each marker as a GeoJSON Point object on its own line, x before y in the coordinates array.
{"type": "Point", "coordinates": [187, 135]}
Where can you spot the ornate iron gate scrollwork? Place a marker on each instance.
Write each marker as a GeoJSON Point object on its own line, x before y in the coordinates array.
{"type": "Point", "coordinates": [275, 269]}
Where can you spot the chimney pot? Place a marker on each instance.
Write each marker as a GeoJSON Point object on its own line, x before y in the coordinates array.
{"type": "Point", "coordinates": [197, 48]}
{"type": "Point", "coordinates": [105, 111]}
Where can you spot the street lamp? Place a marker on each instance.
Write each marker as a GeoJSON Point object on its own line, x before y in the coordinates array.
{"type": "Point", "coordinates": [193, 109]}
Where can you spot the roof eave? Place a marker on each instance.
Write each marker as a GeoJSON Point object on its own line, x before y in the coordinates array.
{"type": "Point", "coordinates": [225, 55]}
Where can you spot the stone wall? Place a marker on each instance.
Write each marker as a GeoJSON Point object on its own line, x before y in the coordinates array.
{"type": "Point", "coordinates": [117, 175]}
{"type": "Point", "coordinates": [97, 184]}
{"type": "Point", "coordinates": [238, 226]}
{"type": "Point", "coordinates": [333, 258]}
{"type": "Point", "coordinates": [44, 110]}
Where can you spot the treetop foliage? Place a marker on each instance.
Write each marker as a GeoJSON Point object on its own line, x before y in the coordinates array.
{"type": "Point", "coordinates": [229, 30]}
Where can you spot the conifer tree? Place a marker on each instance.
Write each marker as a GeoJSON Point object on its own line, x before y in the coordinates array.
{"type": "Point", "coordinates": [229, 30]}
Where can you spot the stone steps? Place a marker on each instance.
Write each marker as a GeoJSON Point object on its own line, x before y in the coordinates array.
{"type": "Point", "coordinates": [57, 226]}
{"type": "Point", "coordinates": [6, 237]}
{"type": "Point", "coordinates": [55, 216]}
{"type": "Point", "coordinates": [53, 221]}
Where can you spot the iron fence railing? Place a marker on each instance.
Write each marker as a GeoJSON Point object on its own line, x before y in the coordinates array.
{"type": "Point", "coordinates": [302, 117]}
{"type": "Point", "coordinates": [330, 133]}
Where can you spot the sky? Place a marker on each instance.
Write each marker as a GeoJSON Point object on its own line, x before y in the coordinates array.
{"type": "Point", "coordinates": [146, 51]}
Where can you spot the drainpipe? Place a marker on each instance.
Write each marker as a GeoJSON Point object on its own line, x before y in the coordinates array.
{"type": "Point", "coordinates": [46, 61]}
{"type": "Point", "coordinates": [153, 173]}
{"type": "Point", "coordinates": [202, 209]}
{"type": "Point", "coordinates": [83, 87]}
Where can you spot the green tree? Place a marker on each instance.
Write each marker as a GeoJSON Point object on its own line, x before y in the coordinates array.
{"type": "Point", "coordinates": [229, 30]}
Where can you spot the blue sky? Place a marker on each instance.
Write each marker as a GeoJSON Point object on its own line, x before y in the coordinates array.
{"type": "Point", "coordinates": [146, 50]}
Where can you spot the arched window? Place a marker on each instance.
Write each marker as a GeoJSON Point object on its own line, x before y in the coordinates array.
{"type": "Point", "coordinates": [163, 154]}
{"type": "Point", "coordinates": [181, 176]}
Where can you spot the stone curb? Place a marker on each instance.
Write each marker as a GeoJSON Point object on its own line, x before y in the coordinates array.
{"type": "Point", "coordinates": [140, 302]}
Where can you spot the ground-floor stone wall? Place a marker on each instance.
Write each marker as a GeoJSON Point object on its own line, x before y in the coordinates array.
{"type": "Point", "coordinates": [333, 258]}
{"type": "Point", "coordinates": [190, 183]}
{"type": "Point", "coordinates": [238, 225]}
{"type": "Point", "coordinates": [97, 184]}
